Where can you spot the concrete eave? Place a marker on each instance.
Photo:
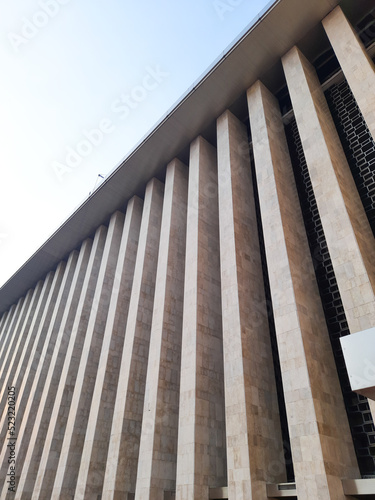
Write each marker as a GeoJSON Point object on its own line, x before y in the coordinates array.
{"type": "Point", "coordinates": [256, 50]}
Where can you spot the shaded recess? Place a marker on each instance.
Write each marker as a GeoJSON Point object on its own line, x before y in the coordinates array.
{"type": "Point", "coordinates": [357, 142]}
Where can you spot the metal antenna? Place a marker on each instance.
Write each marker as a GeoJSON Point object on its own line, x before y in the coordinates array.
{"type": "Point", "coordinates": [96, 182]}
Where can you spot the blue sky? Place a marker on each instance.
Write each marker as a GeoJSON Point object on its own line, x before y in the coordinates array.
{"type": "Point", "coordinates": [82, 82]}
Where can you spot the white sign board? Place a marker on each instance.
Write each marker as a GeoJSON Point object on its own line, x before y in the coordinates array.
{"type": "Point", "coordinates": [359, 354]}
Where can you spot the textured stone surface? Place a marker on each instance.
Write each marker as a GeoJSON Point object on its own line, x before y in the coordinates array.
{"type": "Point", "coordinates": [4, 318]}
{"type": "Point", "coordinates": [9, 317]}
{"type": "Point", "coordinates": [201, 462]}
{"type": "Point", "coordinates": [158, 447]}
{"type": "Point", "coordinates": [122, 461]}
{"type": "Point", "coordinates": [59, 411]}
{"type": "Point", "coordinates": [12, 321]}
{"type": "Point", "coordinates": [346, 227]}
{"type": "Point", "coordinates": [25, 380]}
{"type": "Point", "coordinates": [347, 230]}
{"type": "Point", "coordinates": [356, 64]}
{"type": "Point", "coordinates": [359, 415]}
{"type": "Point", "coordinates": [93, 460]}
{"type": "Point", "coordinates": [39, 428]}
{"type": "Point", "coordinates": [11, 345]}
{"type": "Point", "coordinates": [71, 450]}
{"type": "Point", "coordinates": [14, 363]}
{"type": "Point", "coordinates": [28, 419]}
{"type": "Point", "coordinates": [320, 438]}
{"type": "Point", "coordinates": [7, 345]}
{"type": "Point", "coordinates": [148, 371]}
{"type": "Point", "coordinates": [252, 415]}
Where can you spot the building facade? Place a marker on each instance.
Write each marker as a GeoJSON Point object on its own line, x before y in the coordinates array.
{"type": "Point", "coordinates": [179, 336]}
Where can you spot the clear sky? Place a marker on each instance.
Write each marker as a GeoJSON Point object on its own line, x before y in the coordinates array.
{"type": "Point", "coordinates": [82, 81]}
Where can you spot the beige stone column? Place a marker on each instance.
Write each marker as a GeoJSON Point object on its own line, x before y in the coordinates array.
{"type": "Point", "coordinates": [16, 358]}
{"type": "Point", "coordinates": [71, 450]}
{"type": "Point", "coordinates": [10, 315]}
{"type": "Point", "coordinates": [252, 413]}
{"type": "Point", "coordinates": [38, 430]}
{"type": "Point", "coordinates": [9, 330]}
{"type": "Point", "coordinates": [8, 321]}
{"type": "Point", "coordinates": [24, 391]}
{"type": "Point", "coordinates": [349, 237]}
{"type": "Point", "coordinates": [321, 443]}
{"type": "Point", "coordinates": [201, 457]}
{"type": "Point", "coordinates": [4, 318]}
{"type": "Point", "coordinates": [9, 346]}
{"type": "Point", "coordinates": [357, 66]}
{"type": "Point", "coordinates": [122, 460]}
{"type": "Point", "coordinates": [58, 413]}
{"type": "Point", "coordinates": [95, 449]}
{"type": "Point", "coordinates": [158, 446]}
{"type": "Point", "coordinates": [24, 375]}
{"type": "Point", "coordinates": [11, 333]}
{"type": "Point", "coordinates": [19, 361]}
{"type": "Point", "coordinates": [37, 386]}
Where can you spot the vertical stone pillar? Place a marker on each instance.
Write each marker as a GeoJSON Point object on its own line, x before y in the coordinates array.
{"type": "Point", "coordinates": [38, 430]}
{"type": "Point", "coordinates": [95, 449]}
{"type": "Point", "coordinates": [8, 321]}
{"type": "Point", "coordinates": [71, 450]}
{"type": "Point", "coordinates": [4, 318]}
{"type": "Point", "coordinates": [321, 443]}
{"type": "Point", "coordinates": [252, 413]}
{"type": "Point", "coordinates": [20, 359]}
{"type": "Point", "coordinates": [8, 348]}
{"type": "Point", "coordinates": [58, 413]}
{"type": "Point", "coordinates": [25, 378]}
{"type": "Point", "coordinates": [16, 358]}
{"type": "Point", "coordinates": [10, 316]}
{"type": "Point", "coordinates": [201, 458]}
{"type": "Point", "coordinates": [355, 63]}
{"type": "Point", "coordinates": [158, 447]}
{"type": "Point", "coordinates": [37, 386]}
{"type": "Point", "coordinates": [7, 342]}
{"type": "Point", "coordinates": [349, 237]}
{"type": "Point", "coordinates": [122, 460]}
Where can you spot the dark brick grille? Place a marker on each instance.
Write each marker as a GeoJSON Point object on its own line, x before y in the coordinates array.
{"type": "Point", "coordinates": [357, 143]}
{"type": "Point", "coordinates": [357, 408]}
